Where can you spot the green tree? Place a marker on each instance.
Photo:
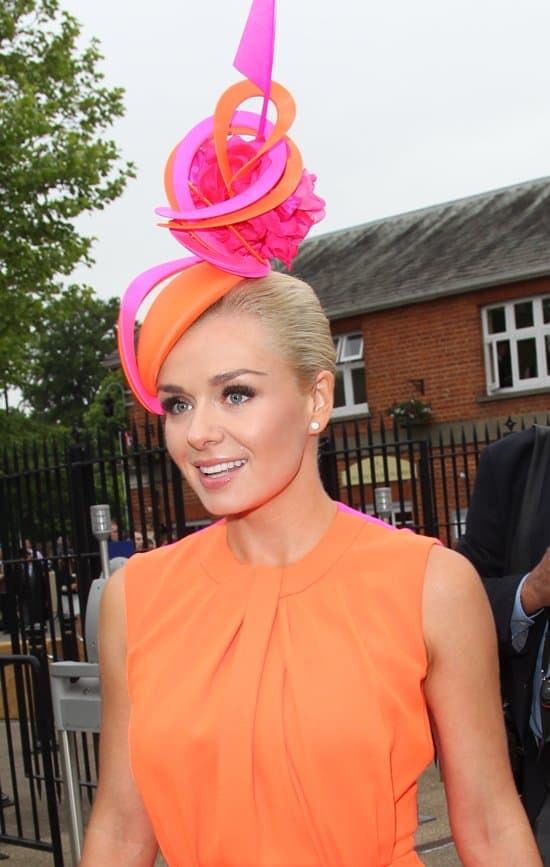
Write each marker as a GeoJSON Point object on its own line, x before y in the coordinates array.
{"type": "Point", "coordinates": [17, 428]}
{"type": "Point", "coordinates": [108, 411]}
{"type": "Point", "coordinates": [55, 163]}
{"type": "Point", "coordinates": [65, 366]}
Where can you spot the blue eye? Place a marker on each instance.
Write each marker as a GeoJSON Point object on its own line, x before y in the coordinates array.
{"type": "Point", "coordinates": [175, 405]}
{"type": "Point", "coordinates": [235, 395]}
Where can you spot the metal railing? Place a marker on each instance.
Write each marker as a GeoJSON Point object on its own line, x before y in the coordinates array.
{"type": "Point", "coordinates": [30, 778]}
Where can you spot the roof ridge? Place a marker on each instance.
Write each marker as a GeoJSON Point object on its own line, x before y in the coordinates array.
{"type": "Point", "coordinates": [425, 209]}
{"type": "Point", "coordinates": [499, 236]}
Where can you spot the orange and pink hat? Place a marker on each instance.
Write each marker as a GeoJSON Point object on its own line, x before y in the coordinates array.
{"type": "Point", "coordinates": [238, 196]}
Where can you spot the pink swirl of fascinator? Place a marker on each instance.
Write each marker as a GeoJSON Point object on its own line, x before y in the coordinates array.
{"type": "Point", "coordinates": [238, 197]}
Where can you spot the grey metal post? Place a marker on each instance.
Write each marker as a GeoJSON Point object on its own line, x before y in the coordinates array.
{"type": "Point", "coordinates": [69, 765]}
{"type": "Point", "coordinates": [383, 503]}
{"type": "Point", "coordinates": [76, 692]}
{"type": "Point", "coordinates": [101, 528]}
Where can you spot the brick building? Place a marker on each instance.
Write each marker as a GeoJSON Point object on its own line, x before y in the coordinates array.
{"type": "Point", "coordinates": [451, 303]}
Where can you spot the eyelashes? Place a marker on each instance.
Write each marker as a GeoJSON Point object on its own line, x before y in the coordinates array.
{"type": "Point", "coordinates": [233, 395]}
{"type": "Point", "coordinates": [174, 405]}
{"type": "Point", "coordinates": [242, 393]}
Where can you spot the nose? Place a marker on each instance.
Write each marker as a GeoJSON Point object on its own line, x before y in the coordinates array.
{"type": "Point", "coordinates": [203, 429]}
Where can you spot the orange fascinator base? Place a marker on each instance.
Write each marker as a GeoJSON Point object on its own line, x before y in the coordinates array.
{"type": "Point", "coordinates": [180, 303]}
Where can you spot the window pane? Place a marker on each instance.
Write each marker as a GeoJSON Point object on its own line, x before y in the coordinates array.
{"type": "Point", "coordinates": [523, 312]}
{"type": "Point", "coordinates": [504, 361]}
{"type": "Point", "coordinates": [496, 320]}
{"type": "Point", "coordinates": [352, 349]}
{"type": "Point", "coordinates": [491, 362]}
{"type": "Point", "coordinates": [359, 386]}
{"type": "Point", "coordinates": [527, 358]}
{"type": "Point", "coordinates": [337, 345]}
{"type": "Point", "coordinates": [547, 346]}
{"type": "Point", "coordinates": [546, 309]}
{"type": "Point", "coordinates": [339, 394]}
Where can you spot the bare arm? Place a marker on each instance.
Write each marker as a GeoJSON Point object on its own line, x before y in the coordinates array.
{"type": "Point", "coordinates": [119, 833]}
{"type": "Point", "coordinates": [487, 819]}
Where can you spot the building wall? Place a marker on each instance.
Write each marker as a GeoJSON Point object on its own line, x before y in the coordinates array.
{"type": "Point", "coordinates": [440, 342]}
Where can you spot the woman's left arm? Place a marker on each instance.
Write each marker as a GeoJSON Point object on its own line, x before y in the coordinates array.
{"type": "Point", "coordinates": [487, 819]}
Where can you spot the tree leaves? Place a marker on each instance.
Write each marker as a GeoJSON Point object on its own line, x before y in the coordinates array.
{"type": "Point", "coordinates": [55, 163]}
{"type": "Point", "coordinates": [66, 364]}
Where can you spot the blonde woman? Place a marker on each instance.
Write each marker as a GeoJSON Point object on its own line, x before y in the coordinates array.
{"type": "Point", "coordinates": [271, 684]}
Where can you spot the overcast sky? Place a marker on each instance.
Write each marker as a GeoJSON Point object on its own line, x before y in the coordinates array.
{"type": "Point", "coordinates": [401, 103]}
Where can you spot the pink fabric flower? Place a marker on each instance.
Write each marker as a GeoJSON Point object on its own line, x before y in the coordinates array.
{"type": "Point", "coordinates": [276, 234]}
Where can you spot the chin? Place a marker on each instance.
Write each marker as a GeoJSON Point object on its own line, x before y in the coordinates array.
{"type": "Point", "coordinates": [227, 510]}
{"type": "Point", "coordinates": [222, 503]}
{"type": "Point", "coordinates": [227, 505]}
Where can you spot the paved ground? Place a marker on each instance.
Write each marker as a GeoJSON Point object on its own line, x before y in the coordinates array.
{"type": "Point", "coordinates": [434, 843]}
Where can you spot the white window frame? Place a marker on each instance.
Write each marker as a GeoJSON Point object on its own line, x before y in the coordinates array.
{"type": "Point", "coordinates": [346, 363]}
{"type": "Point", "coordinates": [539, 331]}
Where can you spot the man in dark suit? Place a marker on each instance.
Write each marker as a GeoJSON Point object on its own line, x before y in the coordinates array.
{"type": "Point", "coordinates": [507, 539]}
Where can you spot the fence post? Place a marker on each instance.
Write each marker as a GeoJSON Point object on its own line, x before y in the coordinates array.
{"type": "Point", "coordinates": [179, 506]}
{"type": "Point", "coordinates": [430, 522]}
{"type": "Point", "coordinates": [328, 467]}
{"type": "Point", "coordinates": [82, 496]}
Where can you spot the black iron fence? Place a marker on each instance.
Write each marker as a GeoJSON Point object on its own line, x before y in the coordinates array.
{"type": "Point", "coordinates": [50, 556]}
{"type": "Point", "coordinates": [411, 476]}
{"type": "Point", "coordinates": [428, 474]}
{"type": "Point", "coordinates": [29, 770]}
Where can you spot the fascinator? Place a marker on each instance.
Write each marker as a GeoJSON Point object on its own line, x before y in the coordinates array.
{"type": "Point", "coordinates": [238, 197]}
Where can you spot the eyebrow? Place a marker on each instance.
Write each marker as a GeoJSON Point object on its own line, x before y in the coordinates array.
{"type": "Point", "coordinates": [218, 379]}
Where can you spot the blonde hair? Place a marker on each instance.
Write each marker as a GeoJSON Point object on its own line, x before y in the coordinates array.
{"type": "Point", "coordinates": [292, 312]}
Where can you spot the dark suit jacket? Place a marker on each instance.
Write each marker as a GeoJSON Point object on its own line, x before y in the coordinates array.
{"type": "Point", "coordinates": [491, 523]}
{"type": "Point", "coordinates": [489, 543]}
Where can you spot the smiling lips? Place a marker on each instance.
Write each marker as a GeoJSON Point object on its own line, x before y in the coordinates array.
{"type": "Point", "coordinates": [221, 468]}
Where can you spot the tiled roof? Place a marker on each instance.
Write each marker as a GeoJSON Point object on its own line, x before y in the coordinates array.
{"type": "Point", "coordinates": [497, 237]}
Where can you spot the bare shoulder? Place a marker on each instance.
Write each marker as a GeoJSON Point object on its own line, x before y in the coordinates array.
{"type": "Point", "coordinates": [113, 593]}
{"type": "Point", "coordinates": [112, 618]}
{"type": "Point", "coordinates": [448, 572]}
{"type": "Point", "coordinates": [455, 605]}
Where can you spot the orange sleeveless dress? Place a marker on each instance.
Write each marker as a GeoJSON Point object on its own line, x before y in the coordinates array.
{"type": "Point", "coordinates": [277, 715]}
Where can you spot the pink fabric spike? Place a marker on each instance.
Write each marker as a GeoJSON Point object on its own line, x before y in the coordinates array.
{"type": "Point", "coordinates": [254, 57]}
{"type": "Point", "coordinates": [135, 294]}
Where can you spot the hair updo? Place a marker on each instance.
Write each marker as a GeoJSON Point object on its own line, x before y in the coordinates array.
{"type": "Point", "coordinates": [292, 312]}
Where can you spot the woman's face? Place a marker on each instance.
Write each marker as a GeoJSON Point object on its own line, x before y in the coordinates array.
{"type": "Point", "coordinates": [237, 421]}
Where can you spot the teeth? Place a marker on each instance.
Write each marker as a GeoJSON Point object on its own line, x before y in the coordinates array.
{"type": "Point", "coordinates": [221, 468]}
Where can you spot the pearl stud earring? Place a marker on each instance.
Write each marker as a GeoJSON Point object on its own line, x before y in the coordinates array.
{"type": "Point", "coordinates": [314, 425]}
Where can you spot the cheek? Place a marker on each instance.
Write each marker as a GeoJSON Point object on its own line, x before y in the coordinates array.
{"type": "Point", "coordinates": [174, 437]}
{"type": "Point", "coordinates": [285, 435]}
{"type": "Point", "coordinates": [294, 419]}
{"type": "Point", "coordinates": [175, 442]}
{"type": "Point", "coordinates": [276, 428]}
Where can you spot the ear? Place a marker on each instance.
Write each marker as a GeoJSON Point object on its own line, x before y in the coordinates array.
{"type": "Point", "coordinates": [322, 401]}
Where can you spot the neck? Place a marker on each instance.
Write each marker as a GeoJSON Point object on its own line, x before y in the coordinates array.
{"type": "Point", "coordinates": [282, 530]}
